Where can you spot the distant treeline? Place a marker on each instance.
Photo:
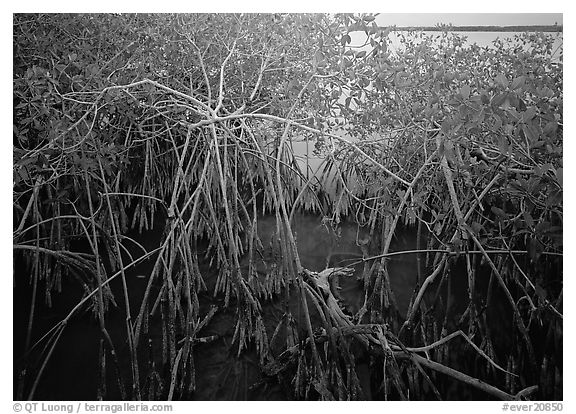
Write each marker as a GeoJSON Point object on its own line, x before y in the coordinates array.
{"type": "Point", "coordinates": [554, 28]}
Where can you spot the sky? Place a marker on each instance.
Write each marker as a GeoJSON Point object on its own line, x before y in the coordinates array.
{"type": "Point", "coordinates": [440, 9]}
{"type": "Point", "coordinates": [468, 19]}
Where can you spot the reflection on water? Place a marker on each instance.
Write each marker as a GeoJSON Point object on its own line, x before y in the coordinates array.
{"type": "Point", "coordinates": [321, 246]}
{"type": "Point", "coordinates": [72, 372]}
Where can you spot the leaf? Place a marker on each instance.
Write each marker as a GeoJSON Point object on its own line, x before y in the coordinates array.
{"type": "Point", "coordinates": [346, 39]}
{"type": "Point", "coordinates": [318, 59]}
{"type": "Point", "coordinates": [386, 32]}
{"type": "Point", "coordinates": [542, 226]}
{"type": "Point", "coordinates": [535, 249]}
{"type": "Point", "coordinates": [499, 212]}
{"type": "Point", "coordinates": [21, 175]}
{"type": "Point", "coordinates": [518, 82]}
{"type": "Point", "coordinates": [449, 152]}
{"type": "Point", "coordinates": [383, 47]}
{"type": "Point", "coordinates": [361, 54]}
{"type": "Point", "coordinates": [540, 292]}
{"type": "Point", "coordinates": [528, 218]}
{"type": "Point", "coordinates": [559, 173]}
{"type": "Point", "coordinates": [545, 92]}
{"type": "Point", "coordinates": [476, 227]}
{"type": "Point", "coordinates": [368, 18]}
{"type": "Point", "coordinates": [499, 99]}
{"type": "Point", "coordinates": [501, 80]}
{"type": "Point", "coordinates": [497, 123]}
{"type": "Point", "coordinates": [529, 133]}
{"type": "Point", "coordinates": [438, 228]}
{"type": "Point", "coordinates": [529, 114]}
{"type": "Point", "coordinates": [554, 198]}
{"type": "Point", "coordinates": [550, 128]}
{"type": "Point", "coordinates": [503, 144]}
{"type": "Point", "coordinates": [465, 91]}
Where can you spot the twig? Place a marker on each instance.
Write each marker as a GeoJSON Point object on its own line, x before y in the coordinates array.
{"type": "Point", "coordinates": [453, 335]}
{"type": "Point", "coordinates": [460, 376]}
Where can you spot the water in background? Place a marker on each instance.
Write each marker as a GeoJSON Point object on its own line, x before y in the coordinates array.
{"type": "Point", "coordinates": [485, 39]}
{"type": "Point", "coordinates": [312, 165]}
{"type": "Point", "coordinates": [482, 39]}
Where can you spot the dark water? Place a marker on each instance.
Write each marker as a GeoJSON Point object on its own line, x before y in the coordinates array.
{"type": "Point", "coordinates": [73, 373]}
{"type": "Point", "coordinates": [321, 245]}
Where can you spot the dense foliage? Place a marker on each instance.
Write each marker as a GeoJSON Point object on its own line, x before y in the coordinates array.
{"type": "Point", "coordinates": [124, 121]}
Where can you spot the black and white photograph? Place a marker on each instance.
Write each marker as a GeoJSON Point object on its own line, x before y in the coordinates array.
{"type": "Point", "coordinates": [287, 207]}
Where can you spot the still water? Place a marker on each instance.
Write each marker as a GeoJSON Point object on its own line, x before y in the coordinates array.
{"type": "Point", "coordinates": [482, 39]}
{"type": "Point", "coordinates": [72, 372]}
{"type": "Point", "coordinates": [487, 39]}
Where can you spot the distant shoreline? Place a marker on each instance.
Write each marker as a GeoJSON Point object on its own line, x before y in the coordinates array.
{"type": "Point", "coordinates": [554, 28]}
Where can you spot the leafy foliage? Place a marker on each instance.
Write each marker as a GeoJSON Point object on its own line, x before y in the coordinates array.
{"type": "Point", "coordinates": [121, 121]}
